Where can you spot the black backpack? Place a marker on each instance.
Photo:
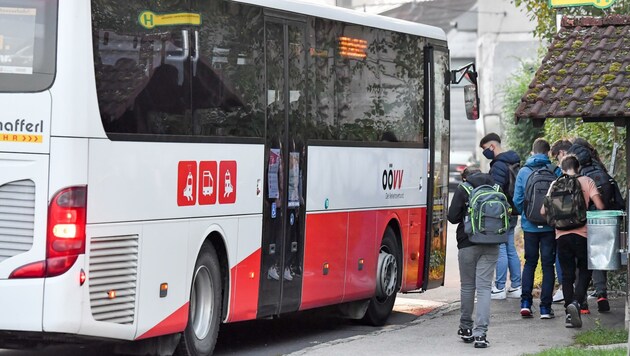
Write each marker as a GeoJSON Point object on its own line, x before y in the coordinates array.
{"type": "Point", "coordinates": [564, 205]}
{"type": "Point", "coordinates": [509, 189]}
{"type": "Point", "coordinates": [606, 185]}
{"type": "Point", "coordinates": [536, 189]}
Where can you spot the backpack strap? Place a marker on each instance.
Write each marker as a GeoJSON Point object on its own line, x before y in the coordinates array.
{"type": "Point", "coordinates": [468, 188]}
{"type": "Point", "coordinates": [496, 187]}
{"type": "Point", "coordinates": [552, 167]}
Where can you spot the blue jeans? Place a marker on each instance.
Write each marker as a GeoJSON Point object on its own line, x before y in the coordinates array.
{"type": "Point", "coordinates": [543, 245]}
{"type": "Point", "coordinates": [508, 259]}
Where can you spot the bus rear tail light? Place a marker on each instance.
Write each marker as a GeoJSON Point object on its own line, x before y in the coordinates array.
{"type": "Point", "coordinates": [66, 229]}
{"type": "Point", "coordinates": [65, 239]}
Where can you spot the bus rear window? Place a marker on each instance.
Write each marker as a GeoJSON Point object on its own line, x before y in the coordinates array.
{"type": "Point", "coordinates": [27, 44]}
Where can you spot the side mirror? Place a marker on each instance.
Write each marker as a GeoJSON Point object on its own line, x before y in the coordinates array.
{"type": "Point", "coordinates": [471, 102]}
{"type": "Point", "coordinates": [471, 95]}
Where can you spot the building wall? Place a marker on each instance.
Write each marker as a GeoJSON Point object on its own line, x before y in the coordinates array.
{"type": "Point", "coordinates": [505, 40]}
{"type": "Point", "coordinates": [462, 46]}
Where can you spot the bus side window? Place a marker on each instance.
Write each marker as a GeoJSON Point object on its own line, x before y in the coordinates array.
{"type": "Point", "coordinates": [162, 101]}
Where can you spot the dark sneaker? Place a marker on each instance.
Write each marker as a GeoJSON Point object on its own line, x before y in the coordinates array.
{"type": "Point", "coordinates": [567, 321]}
{"type": "Point", "coordinates": [603, 305]}
{"type": "Point", "coordinates": [584, 308]}
{"type": "Point", "coordinates": [466, 335]}
{"type": "Point", "coordinates": [481, 342]}
{"type": "Point", "coordinates": [546, 313]}
{"type": "Point", "coordinates": [574, 311]}
{"type": "Point", "coordinates": [526, 309]}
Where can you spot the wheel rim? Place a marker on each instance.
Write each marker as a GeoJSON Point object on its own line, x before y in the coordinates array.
{"type": "Point", "coordinates": [201, 302]}
{"type": "Point", "coordinates": [387, 275]}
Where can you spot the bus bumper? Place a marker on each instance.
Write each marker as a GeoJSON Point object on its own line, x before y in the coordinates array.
{"type": "Point", "coordinates": [21, 304]}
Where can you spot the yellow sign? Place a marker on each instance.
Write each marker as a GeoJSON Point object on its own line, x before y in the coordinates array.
{"type": "Point", "coordinates": [149, 19]}
{"type": "Point", "coordinates": [601, 4]}
{"type": "Point", "coordinates": [6, 137]}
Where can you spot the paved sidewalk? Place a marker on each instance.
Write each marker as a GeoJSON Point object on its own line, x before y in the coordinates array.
{"type": "Point", "coordinates": [434, 332]}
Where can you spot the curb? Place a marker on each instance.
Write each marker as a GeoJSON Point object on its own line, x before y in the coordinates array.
{"type": "Point", "coordinates": [606, 347]}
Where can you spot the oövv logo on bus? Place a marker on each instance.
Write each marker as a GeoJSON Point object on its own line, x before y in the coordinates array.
{"type": "Point", "coordinates": [392, 178]}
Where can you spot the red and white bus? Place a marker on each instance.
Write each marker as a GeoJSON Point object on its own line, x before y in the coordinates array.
{"type": "Point", "coordinates": [168, 166]}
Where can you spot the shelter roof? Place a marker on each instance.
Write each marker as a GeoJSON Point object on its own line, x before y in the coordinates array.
{"type": "Point", "coordinates": [586, 72]}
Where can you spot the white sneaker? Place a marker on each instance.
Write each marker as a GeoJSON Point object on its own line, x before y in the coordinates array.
{"type": "Point", "coordinates": [498, 293]}
{"type": "Point", "coordinates": [558, 297]}
{"type": "Point", "coordinates": [287, 274]}
{"type": "Point", "coordinates": [514, 292]}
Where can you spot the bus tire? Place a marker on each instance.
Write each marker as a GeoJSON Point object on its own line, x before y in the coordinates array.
{"type": "Point", "coordinates": [204, 312]}
{"type": "Point", "coordinates": [388, 276]}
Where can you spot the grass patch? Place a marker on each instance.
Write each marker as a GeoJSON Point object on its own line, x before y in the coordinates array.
{"type": "Point", "coordinates": [597, 336]}
{"type": "Point", "coordinates": [602, 336]}
{"type": "Point", "coordinates": [572, 351]}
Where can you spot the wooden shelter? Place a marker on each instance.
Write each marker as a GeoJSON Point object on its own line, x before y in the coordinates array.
{"type": "Point", "coordinates": [585, 74]}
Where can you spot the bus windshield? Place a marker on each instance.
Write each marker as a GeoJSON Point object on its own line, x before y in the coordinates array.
{"type": "Point", "coordinates": [27, 44]}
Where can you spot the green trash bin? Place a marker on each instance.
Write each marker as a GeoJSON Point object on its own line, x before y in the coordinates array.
{"type": "Point", "coordinates": [603, 239]}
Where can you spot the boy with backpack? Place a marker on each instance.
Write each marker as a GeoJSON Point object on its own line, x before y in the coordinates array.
{"type": "Point", "coordinates": [592, 167]}
{"type": "Point", "coordinates": [558, 150]}
{"type": "Point", "coordinates": [532, 184]}
{"type": "Point", "coordinates": [477, 261]}
{"type": "Point", "coordinates": [504, 167]}
{"type": "Point", "coordinates": [565, 206]}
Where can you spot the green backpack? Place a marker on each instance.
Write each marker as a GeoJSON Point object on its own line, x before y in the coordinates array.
{"type": "Point", "coordinates": [564, 205]}
{"type": "Point", "coordinates": [487, 219]}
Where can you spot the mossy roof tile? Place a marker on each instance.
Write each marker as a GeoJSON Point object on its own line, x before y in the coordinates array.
{"type": "Point", "coordinates": [586, 72]}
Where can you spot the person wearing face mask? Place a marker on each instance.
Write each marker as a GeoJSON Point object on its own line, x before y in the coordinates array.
{"type": "Point", "coordinates": [500, 163]}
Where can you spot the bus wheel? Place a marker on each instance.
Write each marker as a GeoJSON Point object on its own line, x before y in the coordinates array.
{"type": "Point", "coordinates": [200, 335]}
{"type": "Point", "coordinates": [388, 275]}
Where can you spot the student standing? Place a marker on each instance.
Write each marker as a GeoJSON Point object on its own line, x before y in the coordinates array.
{"type": "Point", "coordinates": [557, 152]}
{"type": "Point", "coordinates": [572, 247]}
{"type": "Point", "coordinates": [476, 266]}
{"type": "Point", "coordinates": [500, 163]}
{"type": "Point", "coordinates": [540, 238]}
{"type": "Point", "coordinates": [591, 165]}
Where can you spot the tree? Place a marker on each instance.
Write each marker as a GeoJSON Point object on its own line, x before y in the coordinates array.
{"type": "Point", "coordinates": [519, 136]}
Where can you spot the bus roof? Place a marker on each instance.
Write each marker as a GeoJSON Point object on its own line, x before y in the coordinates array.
{"type": "Point", "coordinates": [352, 16]}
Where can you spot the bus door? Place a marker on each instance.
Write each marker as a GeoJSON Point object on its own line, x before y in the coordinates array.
{"type": "Point", "coordinates": [436, 107]}
{"type": "Point", "coordinates": [285, 162]}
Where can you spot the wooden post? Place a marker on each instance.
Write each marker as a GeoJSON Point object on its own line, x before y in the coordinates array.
{"type": "Point", "coordinates": [627, 186]}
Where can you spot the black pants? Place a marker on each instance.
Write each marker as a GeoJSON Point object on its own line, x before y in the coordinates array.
{"type": "Point", "coordinates": [572, 254]}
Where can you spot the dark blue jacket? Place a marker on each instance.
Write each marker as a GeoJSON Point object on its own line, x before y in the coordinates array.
{"type": "Point", "coordinates": [499, 167]}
